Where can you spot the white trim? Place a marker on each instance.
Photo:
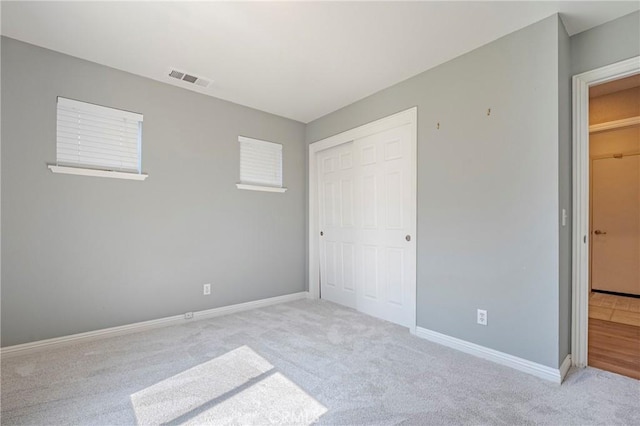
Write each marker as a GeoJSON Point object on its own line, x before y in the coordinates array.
{"type": "Point", "coordinates": [260, 188]}
{"type": "Point", "coordinates": [410, 117]}
{"type": "Point", "coordinates": [580, 231]}
{"type": "Point", "coordinates": [616, 124]}
{"type": "Point", "coordinates": [542, 371]}
{"type": "Point", "coordinates": [98, 173]}
{"type": "Point", "coordinates": [145, 325]}
{"type": "Point", "coordinates": [564, 367]}
{"type": "Point", "coordinates": [246, 306]}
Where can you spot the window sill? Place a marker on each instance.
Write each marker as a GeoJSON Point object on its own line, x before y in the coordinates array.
{"type": "Point", "coordinates": [260, 188]}
{"type": "Point", "coordinates": [98, 173]}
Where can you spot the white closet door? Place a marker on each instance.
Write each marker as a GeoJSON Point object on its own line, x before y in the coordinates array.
{"type": "Point", "coordinates": [337, 221]}
{"type": "Point", "coordinates": [367, 202]}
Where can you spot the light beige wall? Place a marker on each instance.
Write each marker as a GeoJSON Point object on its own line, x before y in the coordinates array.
{"type": "Point", "coordinates": [615, 106]}
{"type": "Point", "coordinates": [616, 141]}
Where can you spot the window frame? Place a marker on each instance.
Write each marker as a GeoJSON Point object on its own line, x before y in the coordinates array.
{"type": "Point", "coordinates": [254, 186]}
{"type": "Point", "coordinates": [99, 170]}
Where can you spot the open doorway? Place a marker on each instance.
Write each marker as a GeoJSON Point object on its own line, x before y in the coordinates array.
{"type": "Point", "coordinates": [581, 223]}
{"type": "Point", "coordinates": [614, 218]}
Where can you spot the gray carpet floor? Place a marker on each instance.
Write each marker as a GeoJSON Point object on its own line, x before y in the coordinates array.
{"type": "Point", "coordinates": [295, 363]}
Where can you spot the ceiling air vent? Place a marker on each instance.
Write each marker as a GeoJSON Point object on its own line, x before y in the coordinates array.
{"type": "Point", "coordinates": [189, 78]}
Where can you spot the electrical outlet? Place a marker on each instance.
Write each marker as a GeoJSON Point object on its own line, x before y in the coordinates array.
{"type": "Point", "coordinates": [188, 315]}
{"type": "Point", "coordinates": [206, 289]}
{"type": "Point", "coordinates": [482, 317]}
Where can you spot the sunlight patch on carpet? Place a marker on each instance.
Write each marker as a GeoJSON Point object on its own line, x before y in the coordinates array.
{"type": "Point", "coordinates": [237, 387]}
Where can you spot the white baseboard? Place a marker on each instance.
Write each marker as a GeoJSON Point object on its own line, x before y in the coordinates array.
{"type": "Point", "coordinates": [226, 310]}
{"type": "Point", "coordinates": [564, 367]}
{"type": "Point", "coordinates": [146, 325]}
{"type": "Point", "coordinates": [552, 374]}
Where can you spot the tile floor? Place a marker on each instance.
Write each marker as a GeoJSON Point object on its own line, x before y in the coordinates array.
{"type": "Point", "coordinates": [620, 309]}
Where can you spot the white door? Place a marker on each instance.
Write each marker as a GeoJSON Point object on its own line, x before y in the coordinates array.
{"type": "Point", "coordinates": [338, 225]}
{"type": "Point", "coordinates": [615, 233]}
{"type": "Point", "coordinates": [367, 220]}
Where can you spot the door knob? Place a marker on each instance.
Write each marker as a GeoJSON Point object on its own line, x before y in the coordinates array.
{"type": "Point", "coordinates": [599, 232]}
{"type": "Point", "coordinates": [408, 237]}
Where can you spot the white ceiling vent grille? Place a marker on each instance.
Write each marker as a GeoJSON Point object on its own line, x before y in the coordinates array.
{"type": "Point", "coordinates": [189, 78]}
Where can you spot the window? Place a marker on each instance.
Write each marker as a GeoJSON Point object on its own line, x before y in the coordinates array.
{"type": "Point", "coordinates": [97, 141]}
{"type": "Point", "coordinates": [260, 165]}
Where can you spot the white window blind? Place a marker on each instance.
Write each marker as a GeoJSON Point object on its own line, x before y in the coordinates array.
{"type": "Point", "coordinates": [97, 137]}
{"type": "Point", "coordinates": [260, 162]}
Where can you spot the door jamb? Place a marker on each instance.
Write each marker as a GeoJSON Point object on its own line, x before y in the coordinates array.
{"type": "Point", "coordinates": [410, 117]}
{"type": "Point", "coordinates": [580, 230]}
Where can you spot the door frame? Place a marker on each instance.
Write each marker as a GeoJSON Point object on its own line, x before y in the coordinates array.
{"type": "Point", "coordinates": [407, 117]}
{"type": "Point", "coordinates": [581, 186]}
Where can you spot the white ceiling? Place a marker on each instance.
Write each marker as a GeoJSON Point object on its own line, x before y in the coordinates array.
{"type": "Point", "coordinates": [300, 60]}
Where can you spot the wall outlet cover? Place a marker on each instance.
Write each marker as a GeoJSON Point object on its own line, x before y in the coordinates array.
{"type": "Point", "coordinates": [482, 317]}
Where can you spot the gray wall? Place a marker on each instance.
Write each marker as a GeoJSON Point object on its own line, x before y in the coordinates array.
{"type": "Point", "coordinates": [488, 189]}
{"type": "Point", "coordinates": [606, 44]}
{"type": "Point", "coordinates": [83, 253]}
{"type": "Point", "coordinates": [565, 189]}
